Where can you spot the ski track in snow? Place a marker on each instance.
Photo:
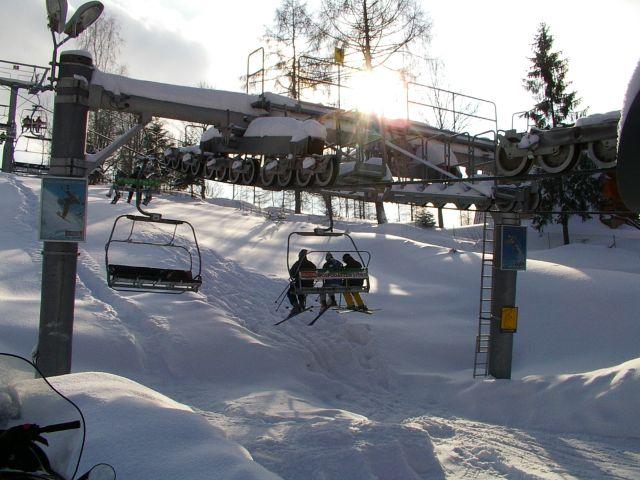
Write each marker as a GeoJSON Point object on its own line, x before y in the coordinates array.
{"type": "Point", "coordinates": [356, 422]}
{"type": "Point", "coordinates": [24, 220]}
{"type": "Point", "coordinates": [469, 449]}
{"type": "Point", "coordinates": [344, 352]}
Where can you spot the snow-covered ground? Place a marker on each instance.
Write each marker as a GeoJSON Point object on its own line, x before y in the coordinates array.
{"type": "Point", "coordinates": [384, 396]}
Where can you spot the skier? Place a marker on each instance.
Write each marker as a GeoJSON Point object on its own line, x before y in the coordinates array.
{"type": "Point", "coordinates": [330, 265]}
{"type": "Point", "coordinates": [38, 124]}
{"type": "Point", "coordinates": [115, 186]}
{"type": "Point", "coordinates": [298, 302]}
{"type": "Point", "coordinates": [26, 123]}
{"type": "Point", "coordinates": [66, 202]}
{"type": "Point", "coordinates": [137, 176]}
{"type": "Point", "coordinates": [352, 263]}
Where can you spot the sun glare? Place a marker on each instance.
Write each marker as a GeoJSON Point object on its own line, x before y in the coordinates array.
{"type": "Point", "coordinates": [379, 91]}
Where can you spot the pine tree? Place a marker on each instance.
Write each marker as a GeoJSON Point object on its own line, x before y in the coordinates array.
{"type": "Point", "coordinates": [425, 219]}
{"type": "Point", "coordinates": [547, 81]}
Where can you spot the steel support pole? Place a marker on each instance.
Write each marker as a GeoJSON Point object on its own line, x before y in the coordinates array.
{"type": "Point", "coordinates": [9, 143]}
{"type": "Point", "coordinates": [53, 354]}
{"type": "Point", "coordinates": [503, 294]}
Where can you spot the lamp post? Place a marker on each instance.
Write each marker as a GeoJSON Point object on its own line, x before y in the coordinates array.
{"type": "Point", "coordinates": [71, 84]}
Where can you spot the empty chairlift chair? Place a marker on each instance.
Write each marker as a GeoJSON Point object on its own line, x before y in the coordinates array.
{"type": "Point", "coordinates": [176, 260]}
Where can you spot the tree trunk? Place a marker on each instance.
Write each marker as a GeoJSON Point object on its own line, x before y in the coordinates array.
{"type": "Point", "coordinates": [327, 204]}
{"type": "Point", "coordinates": [565, 229]}
{"type": "Point", "coordinates": [381, 216]}
{"type": "Point", "coordinates": [367, 39]}
{"type": "Point", "coordinates": [298, 201]}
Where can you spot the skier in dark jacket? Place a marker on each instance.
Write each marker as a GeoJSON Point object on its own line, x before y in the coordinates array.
{"type": "Point", "coordinates": [298, 302]}
{"type": "Point", "coordinates": [331, 265]}
{"type": "Point", "coordinates": [353, 299]}
{"type": "Point", "coordinates": [137, 176]}
{"type": "Point", "coordinates": [116, 185]}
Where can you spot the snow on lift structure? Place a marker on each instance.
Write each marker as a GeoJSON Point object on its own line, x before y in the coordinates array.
{"type": "Point", "coordinates": [351, 280]}
{"type": "Point", "coordinates": [181, 274]}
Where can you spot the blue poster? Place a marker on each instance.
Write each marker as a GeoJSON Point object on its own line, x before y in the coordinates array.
{"type": "Point", "coordinates": [63, 209]}
{"type": "Point", "coordinates": [514, 248]}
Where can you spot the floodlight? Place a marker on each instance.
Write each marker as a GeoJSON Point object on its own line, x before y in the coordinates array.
{"type": "Point", "coordinates": [83, 18]}
{"type": "Point", "coordinates": [57, 14]}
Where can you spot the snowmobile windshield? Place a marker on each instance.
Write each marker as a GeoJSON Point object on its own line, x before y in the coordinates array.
{"type": "Point", "coordinates": [28, 398]}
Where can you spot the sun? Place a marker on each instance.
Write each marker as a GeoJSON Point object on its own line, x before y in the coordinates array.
{"type": "Point", "coordinates": [379, 91]}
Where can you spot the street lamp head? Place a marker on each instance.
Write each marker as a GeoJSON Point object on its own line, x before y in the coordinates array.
{"type": "Point", "coordinates": [83, 18]}
{"type": "Point", "coordinates": [57, 14]}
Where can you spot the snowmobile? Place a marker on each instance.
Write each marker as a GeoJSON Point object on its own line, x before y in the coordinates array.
{"type": "Point", "coordinates": [42, 432]}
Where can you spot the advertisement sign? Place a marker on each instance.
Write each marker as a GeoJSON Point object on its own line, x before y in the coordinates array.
{"type": "Point", "coordinates": [514, 248]}
{"type": "Point", "coordinates": [63, 209]}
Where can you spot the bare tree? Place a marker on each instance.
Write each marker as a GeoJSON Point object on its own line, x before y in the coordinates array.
{"type": "Point", "coordinates": [104, 42]}
{"type": "Point", "coordinates": [376, 30]}
{"type": "Point", "coordinates": [288, 38]}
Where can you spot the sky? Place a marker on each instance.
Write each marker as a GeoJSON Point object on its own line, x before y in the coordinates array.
{"type": "Point", "coordinates": [484, 45]}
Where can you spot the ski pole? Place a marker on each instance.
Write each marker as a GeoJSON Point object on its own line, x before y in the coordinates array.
{"type": "Point", "coordinates": [281, 301]}
{"type": "Point", "coordinates": [281, 294]}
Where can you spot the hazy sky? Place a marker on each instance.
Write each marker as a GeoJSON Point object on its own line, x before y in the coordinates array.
{"type": "Point", "coordinates": [484, 45]}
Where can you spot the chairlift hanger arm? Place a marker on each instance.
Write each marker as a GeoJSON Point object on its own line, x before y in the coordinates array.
{"type": "Point", "coordinates": [96, 160]}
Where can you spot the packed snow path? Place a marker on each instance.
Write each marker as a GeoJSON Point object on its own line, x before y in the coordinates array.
{"type": "Point", "coordinates": [382, 396]}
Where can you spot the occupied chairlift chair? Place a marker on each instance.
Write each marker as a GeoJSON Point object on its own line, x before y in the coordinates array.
{"type": "Point", "coordinates": [35, 123]}
{"type": "Point", "coordinates": [153, 279]}
{"type": "Point", "coordinates": [320, 275]}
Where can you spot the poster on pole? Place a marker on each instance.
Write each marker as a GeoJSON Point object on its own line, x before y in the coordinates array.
{"type": "Point", "coordinates": [514, 248]}
{"type": "Point", "coordinates": [63, 209]}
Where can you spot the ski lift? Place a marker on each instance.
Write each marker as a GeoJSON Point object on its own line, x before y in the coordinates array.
{"type": "Point", "coordinates": [35, 123]}
{"type": "Point", "coordinates": [319, 281]}
{"type": "Point", "coordinates": [179, 270]}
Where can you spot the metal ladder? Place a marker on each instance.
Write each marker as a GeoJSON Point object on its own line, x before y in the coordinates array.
{"type": "Point", "coordinates": [481, 359]}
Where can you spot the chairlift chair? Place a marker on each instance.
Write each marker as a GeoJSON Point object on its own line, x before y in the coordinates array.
{"type": "Point", "coordinates": [135, 278]}
{"type": "Point", "coordinates": [320, 275]}
{"type": "Point", "coordinates": [35, 123]}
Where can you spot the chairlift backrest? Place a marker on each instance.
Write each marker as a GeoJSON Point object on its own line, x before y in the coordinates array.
{"type": "Point", "coordinates": [320, 280]}
{"type": "Point", "coordinates": [130, 275]}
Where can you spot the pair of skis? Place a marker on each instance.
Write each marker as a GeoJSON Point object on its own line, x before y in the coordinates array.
{"type": "Point", "coordinates": [298, 312]}
{"type": "Point", "coordinates": [321, 312]}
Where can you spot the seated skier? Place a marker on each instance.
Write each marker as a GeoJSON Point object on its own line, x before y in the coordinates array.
{"type": "Point", "coordinates": [331, 264]}
{"type": "Point", "coordinates": [27, 123]}
{"type": "Point", "coordinates": [353, 299]}
{"type": "Point", "coordinates": [298, 302]}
